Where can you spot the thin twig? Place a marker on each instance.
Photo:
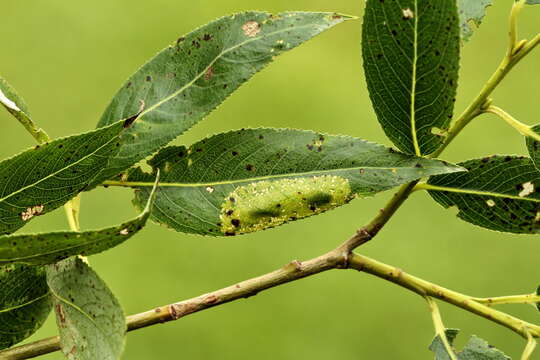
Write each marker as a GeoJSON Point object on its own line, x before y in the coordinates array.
{"type": "Point", "coordinates": [294, 271]}
{"type": "Point", "coordinates": [425, 288]}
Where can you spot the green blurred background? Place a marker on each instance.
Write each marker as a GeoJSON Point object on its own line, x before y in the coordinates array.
{"type": "Point", "coordinates": [67, 58]}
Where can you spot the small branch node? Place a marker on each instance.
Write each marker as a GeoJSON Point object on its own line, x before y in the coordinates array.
{"type": "Point", "coordinates": [175, 314]}
{"type": "Point", "coordinates": [211, 299]}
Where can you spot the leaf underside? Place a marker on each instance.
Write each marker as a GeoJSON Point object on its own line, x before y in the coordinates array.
{"type": "Point", "coordinates": [191, 77]}
{"type": "Point", "coordinates": [471, 14]}
{"type": "Point", "coordinates": [411, 59]}
{"type": "Point", "coordinates": [476, 349]}
{"type": "Point", "coordinates": [248, 180]}
{"type": "Point", "coordinates": [499, 193]}
{"type": "Point", "coordinates": [89, 318]}
{"type": "Point", "coordinates": [24, 302]}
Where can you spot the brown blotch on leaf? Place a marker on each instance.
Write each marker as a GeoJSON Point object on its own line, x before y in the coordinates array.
{"type": "Point", "coordinates": [59, 309]}
{"type": "Point", "coordinates": [209, 73]}
{"type": "Point", "coordinates": [251, 28]}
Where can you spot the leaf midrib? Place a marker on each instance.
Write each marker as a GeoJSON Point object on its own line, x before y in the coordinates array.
{"type": "Point", "coordinates": [56, 172]}
{"type": "Point", "coordinates": [92, 321]}
{"type": "Point", "coordinates": [220, 55]}
{"type": "Point", "coordinates": [413, 85]}
{"type": "Point", "coordinates": [430, 187]}
{"type": "Point", "coordinates": [252, 179]}
{"type": "Point", "coordinates": [25, 304]}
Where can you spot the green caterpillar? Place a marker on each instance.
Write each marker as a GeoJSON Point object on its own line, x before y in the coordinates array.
{"type": "Point", "coordinates": [266, 204]}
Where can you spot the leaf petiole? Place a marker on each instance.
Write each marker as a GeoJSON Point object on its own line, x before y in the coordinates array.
{"type": "Point", "coordinates": [523, 129]}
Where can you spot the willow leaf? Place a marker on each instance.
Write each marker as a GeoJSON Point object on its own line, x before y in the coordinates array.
{"type": "Point", "coordinates": [89, 318]}
{"type": "Point", "coordinates": [49, 248]}
{"type": "Point", "coordinates": [533, 2]}
{"type": "Point", "coordinates": [498, 193]}
{"type": "Point", "coordinates": [471, 14]}
{"type": "Point", "coordinates": [24, 302]}
{"type": "Point", "coordinates": [192, 76]}
{"type": "Point", "coordinates": [411, 60]}
{"type": "Point", "coordinates": [476, 349]}
{"type": "Point", "coordinates": [249, 180]}
{"type": "Point", "coordinates": [43, 178]}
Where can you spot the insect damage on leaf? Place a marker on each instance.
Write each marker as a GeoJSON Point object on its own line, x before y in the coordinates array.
{"type": "Point", "coordinates": [251, 28]}
{"type": "Point", "coordinates": [266, 204]}
{"type": "Point", "coordinates": [31, 212]}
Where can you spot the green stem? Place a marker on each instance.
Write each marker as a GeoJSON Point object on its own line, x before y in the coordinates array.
{"type": "Point", "coordinates": [370, 230]}
{"type": "Point", "coordinates": [529, 349]}
{"type": "Point", "coordinates": [425, 288]}
{"type": "Point", "coordinates": [37, 133]}
{"type": "Point", "coordinates": [513, 33]}
{"type": "Point", "coordinates": [522, 128]}
{"type": "Point", "coordinates": [440, 329]}
{"type": "Point", "coordinates": [482, 100]}
{"type": "Point", "coordinates": [513, 299]}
